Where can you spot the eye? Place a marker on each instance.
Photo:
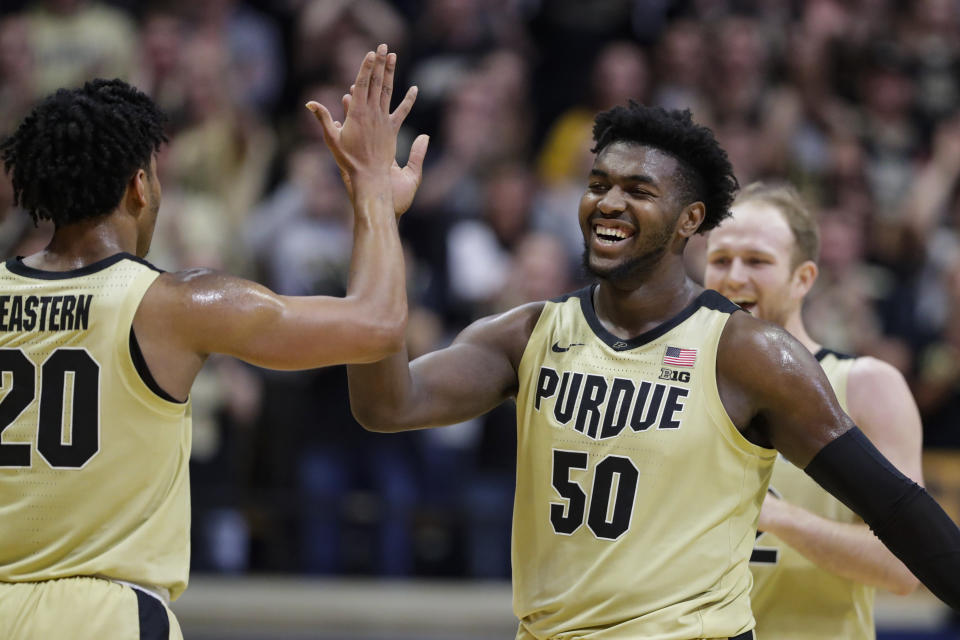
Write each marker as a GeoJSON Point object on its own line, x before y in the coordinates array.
{"type": "Point", "coordinates": [597, 187]}
{"type": "Point", "coordinates": [757, 261]}
{"type": "Point", "coordinates": [720, 261]}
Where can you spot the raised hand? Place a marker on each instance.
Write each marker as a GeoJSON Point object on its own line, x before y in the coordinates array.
{"type": "Point", "coordinates": [367, 139]}
{"type": "Point", "coordinates": [404, 180]}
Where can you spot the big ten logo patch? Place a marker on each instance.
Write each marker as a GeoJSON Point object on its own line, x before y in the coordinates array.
{"type": "Point", "coordinates": [674, 375]}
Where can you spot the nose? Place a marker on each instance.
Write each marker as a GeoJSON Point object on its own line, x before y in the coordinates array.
{"type": "Point", "coordinates": [612, 201]}
{"type": "Point", "coordinates": [737, 273]}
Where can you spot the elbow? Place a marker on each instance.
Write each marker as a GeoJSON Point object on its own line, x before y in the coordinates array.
{"type": "Point", "coordinates": [387, 337]}
{"type": "Point", "coordinates": [905, 585]}
{"type": "Point", "coordinates": [370, 419]}
{"type": "Point", "coordinates": [371, 409]}
{"type": "Point", "coordinates": [394, 337]}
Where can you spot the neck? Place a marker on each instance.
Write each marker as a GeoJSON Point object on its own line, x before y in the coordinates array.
{"type": "Point", "coordinates": [628, 310]}
{"type": "Point", "coordinates": [794, 325]}
{"type": "Point", "coordinates": [77, 245]}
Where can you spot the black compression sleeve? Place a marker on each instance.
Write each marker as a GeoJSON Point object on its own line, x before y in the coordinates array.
{"type": "Point", "coordinates": [899, 511]}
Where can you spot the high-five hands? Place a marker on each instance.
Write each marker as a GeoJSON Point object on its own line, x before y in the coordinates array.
{"type": "Point", "coordinates": [367, 139]}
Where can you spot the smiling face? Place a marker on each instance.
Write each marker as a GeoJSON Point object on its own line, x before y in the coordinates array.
{"type": "Point", "coordinates": [629, 212]}
{"type": "Point", "coordinates": [750, 261]}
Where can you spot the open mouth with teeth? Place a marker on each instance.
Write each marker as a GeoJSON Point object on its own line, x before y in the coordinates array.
{"type": "Point", "coordinates": [746, 304]}
{"type": "Point", "coordinates": [609, 235]}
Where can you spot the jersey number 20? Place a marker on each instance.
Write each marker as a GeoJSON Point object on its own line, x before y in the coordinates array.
{"type": "Point", "coordinates": [18, 387]}
{"type": "Point", "coordinates": [610, 510]}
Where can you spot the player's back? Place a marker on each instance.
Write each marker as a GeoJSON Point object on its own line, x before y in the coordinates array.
{"type": "Point", "coordinates": [793, 598]}
{"type": "Point", "coordinates": [637, 497]}
{"type": "Point", "coordinates": [93, 454]}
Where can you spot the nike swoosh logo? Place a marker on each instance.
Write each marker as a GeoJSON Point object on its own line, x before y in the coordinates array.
{"type": "Point", "coordinates": [558, 349]}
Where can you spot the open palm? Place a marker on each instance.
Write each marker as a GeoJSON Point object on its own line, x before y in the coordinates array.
{"type": "Point", "coordinates": [404, 180]}
{"type": "Point", "coordinates": [374, 86]}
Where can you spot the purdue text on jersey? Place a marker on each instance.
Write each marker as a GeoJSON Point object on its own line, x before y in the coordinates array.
{"type": "Point", "coordinates": [636, 496]}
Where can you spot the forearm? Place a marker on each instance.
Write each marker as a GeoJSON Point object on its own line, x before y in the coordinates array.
{"type": "Point", "coordinates": [380, 393]}
{"type": "Point", "coordinates": [377, 283]}
{"type": "Point", "coordinates": [441, 388]}
{"type": "Point", "coordinates": [465, 380]}
{"type": "Point", "coordinates": [845, 549]}
{"type": "Point", "coordinates": [902, 514]}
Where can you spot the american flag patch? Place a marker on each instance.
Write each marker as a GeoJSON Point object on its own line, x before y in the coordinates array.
{"type": "Point", "coordinates": [678, 357]}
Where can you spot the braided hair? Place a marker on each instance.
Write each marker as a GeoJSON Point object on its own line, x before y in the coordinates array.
{"type": "Point", "coordinates": [73, 155]}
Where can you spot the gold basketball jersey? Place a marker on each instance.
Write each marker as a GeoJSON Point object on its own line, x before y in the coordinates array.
{"type": "Point", "coordinates": [793, 599]}
{"type": "Point", "coordinates": [93, 461]}
{"type": "Point", "coordinates": [637, 498]}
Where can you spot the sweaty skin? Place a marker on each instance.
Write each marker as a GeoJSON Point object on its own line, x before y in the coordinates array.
{"type": "Point", "coordinates": [187, 315]}
{"type": "Point", "coordinates": [772, 387]}
{"type": "Point", "coordinates": [750, 260]}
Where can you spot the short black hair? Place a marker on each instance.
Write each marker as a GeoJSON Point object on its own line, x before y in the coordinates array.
{"type": "Point", "coordinates": [706, 174]}
{"type": "Point", "coordinates": [72, 156]}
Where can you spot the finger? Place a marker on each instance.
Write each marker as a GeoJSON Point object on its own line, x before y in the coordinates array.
{"type": "Point", "coordinates": [347, 98]}
{"type": "Point", "coordinates": [403, 109]}
{"type": "Point", "coordinates": [362, 83]}
{"type": "Point", "coordinates": [326, 124]}
{"type": "Point", "coordinates": [418, 151]}
{"type": "Point", "coordinates": [387, 89]}
{"type": "Point", "coordinates": [376, 81]}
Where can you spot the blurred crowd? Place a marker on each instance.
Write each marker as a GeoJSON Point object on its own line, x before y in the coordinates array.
{"type": "Point", "coordinates": [854, 101]}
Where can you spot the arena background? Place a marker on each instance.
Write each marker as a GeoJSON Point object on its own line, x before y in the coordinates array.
{"type": "Point", "coordinates": [305, 526]}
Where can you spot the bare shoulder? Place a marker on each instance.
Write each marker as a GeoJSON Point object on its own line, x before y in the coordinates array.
{"type": "Point", "coordinates": [207, 311]}
{"type": "Point", "coordinates": [880, 402]}
{"type": "Point", "coordinates": [507, 332]}
{"type": "Point", "coordinates": [200, 279]}
{"type": "Point", "coordinates": [205, 290]}
{"type": "Point", "coordinates": [774, 390]}
{"type": "Point", "coordinates": [750, 345]}
{"type": "Point", "coordinates": [869, 373]}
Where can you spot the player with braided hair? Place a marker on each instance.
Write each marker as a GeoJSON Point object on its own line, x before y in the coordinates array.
{"type": "Point", "coordinates": [74, 154]}
{"type": "Point", "coordinates": [99, 349]}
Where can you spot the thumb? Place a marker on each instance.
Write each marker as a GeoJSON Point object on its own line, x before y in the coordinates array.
{"type": "Point", "coordinates": [418, 151]}
{"type": "Point", "coordinates": [326, 123]}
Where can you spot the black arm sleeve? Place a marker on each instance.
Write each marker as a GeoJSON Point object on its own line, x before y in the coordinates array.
{"type": "Point", "coordinates": [899, 511]}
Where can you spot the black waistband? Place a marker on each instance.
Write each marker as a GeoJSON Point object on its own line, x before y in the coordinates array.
{"type": "Point", "coordinates": [746, 635]}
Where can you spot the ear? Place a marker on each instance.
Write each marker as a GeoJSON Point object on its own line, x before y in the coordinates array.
{"type": "Point", "coordinates": [690, 219]}
{"type": "Point", "coordinates": [804, 276]}
{"type": "Point", "coordinates": [137, 190]}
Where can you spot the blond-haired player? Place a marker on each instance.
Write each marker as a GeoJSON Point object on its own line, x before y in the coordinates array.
{"type": "Point", "coordinates": [815, 564]}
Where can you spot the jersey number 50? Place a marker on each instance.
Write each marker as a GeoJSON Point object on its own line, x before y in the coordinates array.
{"type": "Point", "coordinates": [18, 388]}
{"type": "Point", "coordinates": [604, 521]}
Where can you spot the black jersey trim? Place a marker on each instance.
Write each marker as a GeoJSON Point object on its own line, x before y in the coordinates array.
{"type": "Point", "coordinates": [16, 265]}
{"type": "Point", "coordinates": [154, 623]}
{"type": "Point", "coordinates": [824, 352]}
{"type": "Point", "coordinates": [572, 294]}
{"type": "Point", "coordinates": [709, 299]}
{"type": "Point", "coordinates": [140, 364]}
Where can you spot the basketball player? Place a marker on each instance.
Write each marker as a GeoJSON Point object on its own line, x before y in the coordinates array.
{"type": "Point", "coordinates": [649, 414]}
{"type": "Point", "coordinates": [815, 564]}
{"type": "Point", "coordinates": [98, 350]}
